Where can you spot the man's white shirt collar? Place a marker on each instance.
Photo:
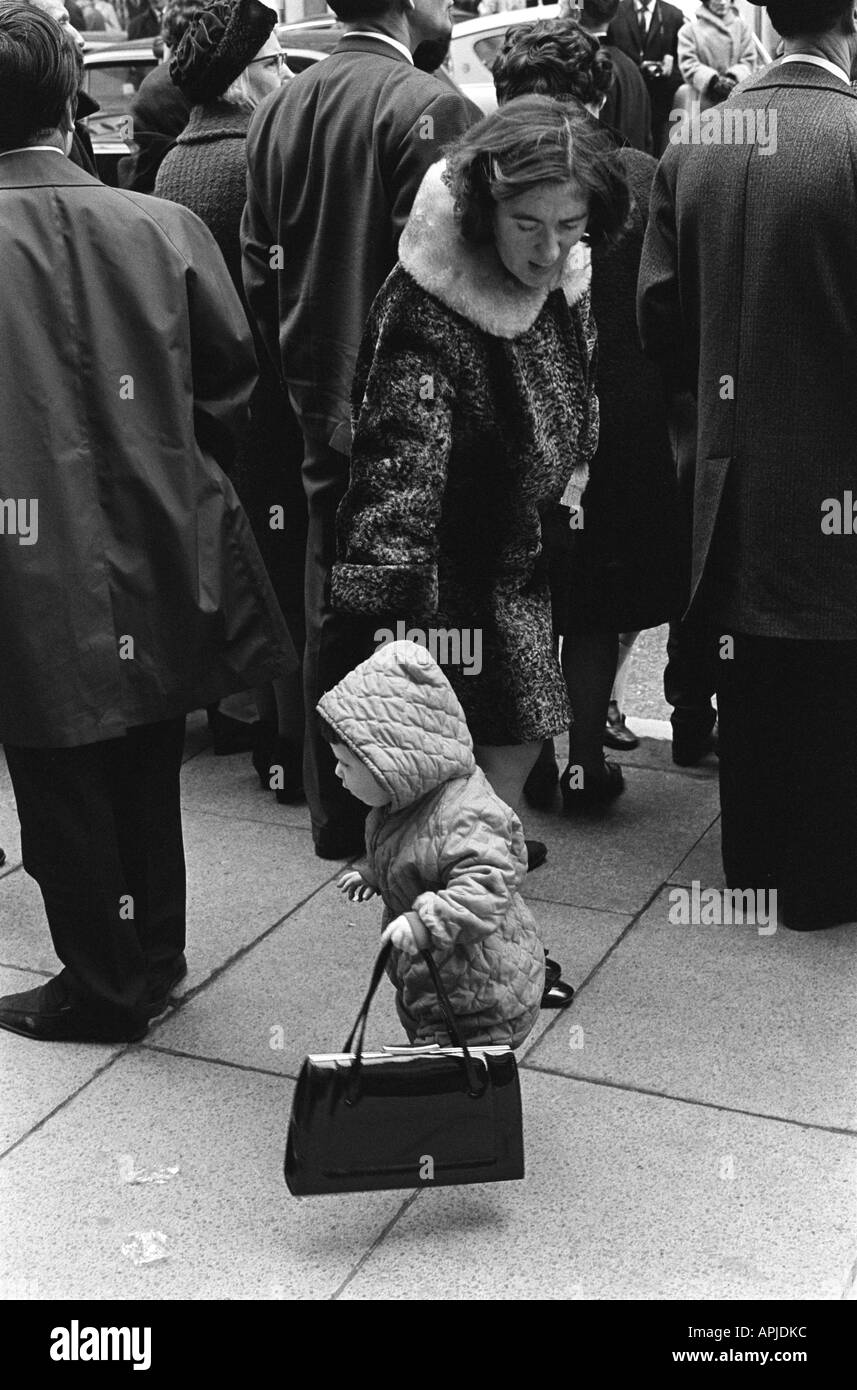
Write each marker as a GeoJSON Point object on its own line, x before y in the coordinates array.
{"type": "Point", "coordinates": [26, 149]}
{"type": "Point", "coordinates": [819, 63]}
{"type": "Point", "coordinates": [385, 38]}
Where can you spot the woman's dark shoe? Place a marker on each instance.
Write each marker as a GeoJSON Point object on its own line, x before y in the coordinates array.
{"type": "Point", "coordinates": [279, 764]}
{"type": "Point", "coordinates": [553, 970]}
{"type": "Point", "coordinates": [597, 789]}
{"type": "Point", "coordinates": [2, 857]}
{"type": "Point", "coordinates": [229, 735]}
{"type": "Point", "coordinates": [616, 731]}
{"type": "Point", "coordinates": [537, 853]}
{"type": "Point", "coordinates": [540, 786]}
{"type": "Point", "coordinates": [557, 996]}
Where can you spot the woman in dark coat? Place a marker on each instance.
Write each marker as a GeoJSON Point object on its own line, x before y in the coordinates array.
{"type": "Point", "coordinates": [618, 571]}
{"type": "Point", "coordinates": [227, 61]}
{"type": "Point", "coordinates": [475, 408]}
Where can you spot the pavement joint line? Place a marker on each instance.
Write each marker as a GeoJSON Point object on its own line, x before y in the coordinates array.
{"type": "Point", "coordinates": [190, 809]}
{"type": "Point", "coordinates": [578, 907]}
{"type": "Point", "coordinates": [10, 869]}
{"type": "Point", "coordinates": [26, 969]}
{"type": "Point", "coordinates": [631, 1089]}
{"type": "Point", "coordinates": [67, 1100]}
{"type": "Point", "coordinates": [694, 846]}
{"type": "Point", "coordinates": [381, 1236]}
{"type": "Point", "coordinates": [144, 1045]}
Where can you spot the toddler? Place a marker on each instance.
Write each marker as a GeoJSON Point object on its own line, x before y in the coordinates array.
{"type": "Point", "coordinates": [446, 855]}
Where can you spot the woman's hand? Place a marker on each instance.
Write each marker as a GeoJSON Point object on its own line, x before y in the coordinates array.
{"type": "Point", "coordinates": [407, 934]}
{"type": "Point", "coordinates": [354, 887]}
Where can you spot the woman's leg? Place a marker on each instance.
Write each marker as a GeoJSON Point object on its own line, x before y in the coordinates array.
{"type": "Point", "coordinates": [626, 646]}
{"type": "Point", "coordinates": [506, 767]}
{"type": "Point", "coordinates": [589, 667]}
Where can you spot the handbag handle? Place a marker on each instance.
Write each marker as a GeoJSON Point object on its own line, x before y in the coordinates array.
{"type": "Point", "coordinates": [359, 1029]}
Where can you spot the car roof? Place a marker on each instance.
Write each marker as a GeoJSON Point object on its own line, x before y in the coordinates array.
{"type": "Point", "coordinates": [504, 18]}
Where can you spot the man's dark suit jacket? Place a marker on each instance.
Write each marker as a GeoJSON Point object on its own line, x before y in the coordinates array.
{"type": "Point", "coordinates": [748, 296]}
{"type": "Point", "coordinates": [660, 40]}
{"type": "Point", "coordinates": [335, 159]}
{"type": "Point", "coordinates": [627, 108]}
{"type": "Point", "coordinates": [160, 113]}
{"type": "Point", "coordinates": [146, 26]}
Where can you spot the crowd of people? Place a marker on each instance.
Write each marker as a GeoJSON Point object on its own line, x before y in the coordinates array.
{"type": "Point", "coordinates": [342, 355]}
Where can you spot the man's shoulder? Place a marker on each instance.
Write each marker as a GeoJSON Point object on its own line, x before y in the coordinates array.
{"type": "Point", "coordinates": [626, 69]}
{"type": "Point", "coordinates": [125, 208]}
{"type": "Point", "coordinates": [671, 14]}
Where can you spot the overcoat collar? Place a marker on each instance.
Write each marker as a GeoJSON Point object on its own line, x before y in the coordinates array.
{"type": "Point", "coordinates": [472, 280]}
{"type": "Point", "coordinates": [780, 75]}
{"type": "Point", "coordinates": [366, 43]}
{"type": "Point", "coordinates": [38, 168]}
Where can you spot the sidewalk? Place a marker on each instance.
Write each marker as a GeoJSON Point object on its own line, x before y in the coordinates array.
{"type": "Point", "coordinates": [690, 1122]}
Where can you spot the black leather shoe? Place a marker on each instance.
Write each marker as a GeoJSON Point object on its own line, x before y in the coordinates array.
{"type": "Point", "coordinates": [2, 857]}
{"type": "Point", "coordinates": [537, 853]}
{"type": "Point", "coordinates": [159, 995]}
{"type": "Point", "coordinates": [557, 996]}
{"type": "Point", "coordinates": [616, 732]}
{"type": "Point", "coordinates": [692, 743]}
{"type": "Point", "coordinates": [46, 1015]}
{"type": "Point", "coordinates": [230, 735]}
{"type": "Point", "coordinates": [540, 786]}
{"type": "Point", "coordinates": [597, 790]}
{"type": "Point", "coordinates": [553, 970]}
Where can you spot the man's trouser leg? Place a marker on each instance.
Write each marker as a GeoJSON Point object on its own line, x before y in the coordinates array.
{"type": "Point", "coordinates": [113, 904]}
{"type": "Point", "coordinates": [788, 775]}
{"type": "Point", "coordinates": [335, 644]}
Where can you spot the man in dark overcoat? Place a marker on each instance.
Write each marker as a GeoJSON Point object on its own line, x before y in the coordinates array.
{"type": "Point", "coordinates": [131, 589]}
{"type": "Point", "coordinates": [335, 159]}
{"type": "Point", "coordinates": [647, 30]}
{"type": "Point", "coordinates": [748, 295]}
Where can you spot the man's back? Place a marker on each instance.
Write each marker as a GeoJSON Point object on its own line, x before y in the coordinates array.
{"type": "Point", "coordinates": [627, 108]}
{"type": "Point", "coordinates": [761, 319]}
{"type": "Point", "coordinates": [335, 160]}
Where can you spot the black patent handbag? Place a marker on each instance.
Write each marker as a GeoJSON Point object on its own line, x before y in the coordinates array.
{"type": "Point", "coordinates": [406, 1117]}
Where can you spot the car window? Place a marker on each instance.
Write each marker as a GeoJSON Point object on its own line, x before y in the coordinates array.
{"type": "Point", "coordinates": [112, 84]}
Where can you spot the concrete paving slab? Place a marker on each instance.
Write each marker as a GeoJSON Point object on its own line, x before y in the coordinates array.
{"type": "Point", "coordinates": [25, 941]}
{"type": "Point", "coordinates": [298, 991]}
{"type": "Point", "coordinates": [633, 1197]}
{"type": "Point", "coordinates": [36, 1077]}
{"type": "Point", "coordinates": [233, 1230]}
{"type": "Point", "coordinates": [704, 864]}
{"type": "Point", "coordinates": [229, 787]}
{"type": "Point", "coordinates": [723, 1015]}
{"type": "Point", "coordinates": [614, 860]}
{"type": "Point", "coordinates": [578, 938]}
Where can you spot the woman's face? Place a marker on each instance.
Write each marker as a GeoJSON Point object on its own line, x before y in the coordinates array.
{"type": "Point", "coordinates": [718, 7]}
{"type": "Point", "coordinates": [535, 231]}
{"type": "Point", "coordinates": [266, 71]}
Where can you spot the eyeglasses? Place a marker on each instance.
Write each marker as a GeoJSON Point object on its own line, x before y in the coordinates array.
{"type": "Point", "coordinates": [273, 60]}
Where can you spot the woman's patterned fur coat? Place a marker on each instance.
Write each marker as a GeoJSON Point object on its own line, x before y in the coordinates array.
{"type": "Point", "coordinates": [474, 406]}
{"type": "Point", "coordinates": [445, 849]}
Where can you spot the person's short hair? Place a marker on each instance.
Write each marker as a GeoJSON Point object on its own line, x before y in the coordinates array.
{"type": "Point", "coordinates": [350, 10]}
{"type": "Point", "coordinates": [529, 141]}
{"type": "Point", "coordinates": [175, 19]}
{"type": "Point", "coordinates": [600, 11]}
{"type": "Point", "coordinates": [552, 57]}
{"type": "Point", "coordinates": [793, 17]}
{"type": "Point", "coordinates": [38, 75]}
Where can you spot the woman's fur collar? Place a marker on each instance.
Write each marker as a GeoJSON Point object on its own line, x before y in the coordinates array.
{"type": "Point", "coordinates": [472, 280]}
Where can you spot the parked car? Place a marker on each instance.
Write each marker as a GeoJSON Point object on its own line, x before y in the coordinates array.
{"type": "Point", "coordinates": [476, 43]}
{"type": "Point", "coordinates": [113, 73]}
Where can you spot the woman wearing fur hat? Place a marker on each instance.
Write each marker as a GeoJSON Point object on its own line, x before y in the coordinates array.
{"type": "Point", "coordinates": [475, 408]}
{"type": "Point", "coordinates": [228, 60]}
{"type": "Point", "coordinates": [716, 51]}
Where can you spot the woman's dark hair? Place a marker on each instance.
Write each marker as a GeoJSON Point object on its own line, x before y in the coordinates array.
{"type": "Point", "coordinates": [554, 58]}
{"type": "Point", "coordinates": [529, 141]}
{"type": "Point", "coordinates": [39, 75]}
{"type": "Point", "coordinates": [793, 17]}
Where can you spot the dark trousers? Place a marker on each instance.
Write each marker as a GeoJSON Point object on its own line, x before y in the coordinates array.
{"type": "Point", "coordinates": [788, 775]}
{"type": "Point", "coordinates": [101, 834]}
{"type": "Point", "coordinates": [335, 642]}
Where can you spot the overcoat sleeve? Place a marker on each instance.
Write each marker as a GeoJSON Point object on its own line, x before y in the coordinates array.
{"type": "Point", "coordinates": [479, 872]}
{"type": "Point", "coordinates": [258, 274]}
{"type": "Point", "coordinates": [223, 361]}
{"type": "Point", "coordinates": [693, 70]}
{"type": "Point", "coordinates": [659, 316]}
{"type": "Point", "coordinates": [387, 524]}
{"type": "Point", "coordinates": [745, 63]}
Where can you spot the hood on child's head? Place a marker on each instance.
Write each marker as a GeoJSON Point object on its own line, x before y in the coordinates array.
{"type": "Point", "coordinates": [399, 713]}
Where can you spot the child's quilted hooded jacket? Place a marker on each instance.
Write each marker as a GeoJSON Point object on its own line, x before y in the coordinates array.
{"type": "Point", "coordinates": [446, 848]}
